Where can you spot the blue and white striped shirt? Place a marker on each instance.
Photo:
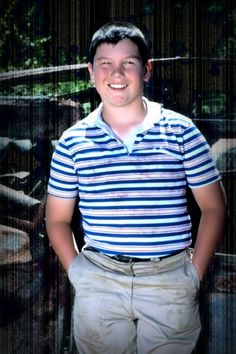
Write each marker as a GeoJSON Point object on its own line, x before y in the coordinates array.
{"type": "Point", "coordinates": [132, 195]}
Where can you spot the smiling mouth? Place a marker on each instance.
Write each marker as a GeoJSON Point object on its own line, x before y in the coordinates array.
{"type": "Point", "coordinates": [117, 86]}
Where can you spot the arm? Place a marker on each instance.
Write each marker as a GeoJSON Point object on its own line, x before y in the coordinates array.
{"type": "Point", "coordinates": [212, 202]}
{"type": "Point", "coordinates": [59, 212]}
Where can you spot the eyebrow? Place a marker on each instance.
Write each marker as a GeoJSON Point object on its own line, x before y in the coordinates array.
{"type": "Point", "coordinates": [126, 57]}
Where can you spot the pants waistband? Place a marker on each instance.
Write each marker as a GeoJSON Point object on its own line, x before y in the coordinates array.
{"type": "Point", "coordinates": [127, 259]}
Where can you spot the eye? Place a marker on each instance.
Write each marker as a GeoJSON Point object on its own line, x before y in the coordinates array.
{"type": "Point", "coordinates": [105, 63]}
{"type": "Point", "coordinates": [128, 62]}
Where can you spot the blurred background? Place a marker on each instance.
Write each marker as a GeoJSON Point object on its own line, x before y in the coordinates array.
{"type": "Point", "coordinates": [45, 88]}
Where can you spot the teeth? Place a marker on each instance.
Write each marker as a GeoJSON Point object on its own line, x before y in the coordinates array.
{"type": "Point", "coordinates": [117, 86]}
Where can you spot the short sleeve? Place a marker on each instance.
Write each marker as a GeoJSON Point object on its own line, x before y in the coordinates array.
{"type": "Point", "coordinates": [199, 165]}
{"type": "Point", "coordinates": [63, 181]}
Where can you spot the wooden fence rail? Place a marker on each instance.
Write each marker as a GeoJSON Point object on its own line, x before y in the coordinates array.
{"type": "Point", "coordinates": [16, 74]}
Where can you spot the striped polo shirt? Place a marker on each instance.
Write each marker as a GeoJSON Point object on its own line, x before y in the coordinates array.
{"type": "Point", "coordinates": [132, 194]}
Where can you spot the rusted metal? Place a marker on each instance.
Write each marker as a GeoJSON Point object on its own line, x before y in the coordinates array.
{"type": "Point", "coordinates": [14, 246]}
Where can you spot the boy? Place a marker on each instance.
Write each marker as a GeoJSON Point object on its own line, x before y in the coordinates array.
{"type": "Point", "coordinates": [130, 161]}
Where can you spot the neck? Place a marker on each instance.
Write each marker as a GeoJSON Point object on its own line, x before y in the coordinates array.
{"type": "Point", "coordinates": [122, 120]}
{"type": "Point", "coordinates": [123, 116]}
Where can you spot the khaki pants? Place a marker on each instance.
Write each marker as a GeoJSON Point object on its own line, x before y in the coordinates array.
{"type": "Point", "coordinates": [143, 308]}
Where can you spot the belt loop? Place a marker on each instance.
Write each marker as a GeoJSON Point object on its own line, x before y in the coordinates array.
{"type": "Point", "coordinates": [189, 252]}
{"type": "Point", "coordinates": [155, 259]}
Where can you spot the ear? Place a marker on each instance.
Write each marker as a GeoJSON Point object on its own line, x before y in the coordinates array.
{"type": "Point", "coordinates": [147, 71]}
{"type": "Point", "coordinates": [91, 72]}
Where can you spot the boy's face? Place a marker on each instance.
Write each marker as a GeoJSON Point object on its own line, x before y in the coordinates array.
{"type": "Point", "coordinates": [118, 73]}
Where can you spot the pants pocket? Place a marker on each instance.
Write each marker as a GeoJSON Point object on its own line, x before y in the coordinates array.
{"type": "Point", "coordinates": [74, 271]}
{"type": "Point", "coordinates": [194, 274]}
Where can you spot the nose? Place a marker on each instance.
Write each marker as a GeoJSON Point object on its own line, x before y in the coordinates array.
{"type": "Point", "coordinates": [117, 70]}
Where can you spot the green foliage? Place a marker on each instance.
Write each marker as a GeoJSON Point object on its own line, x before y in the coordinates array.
{"type": "Point", "coordinates": [46, 90]}
{"type": "Point", "coordinates": [23, 43]}
{"type": "Point", "coordinates": [209, 105]}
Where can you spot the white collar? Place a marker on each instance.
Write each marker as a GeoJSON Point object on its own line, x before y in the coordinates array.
{"type": "Point", "coordinates": [154, 113]}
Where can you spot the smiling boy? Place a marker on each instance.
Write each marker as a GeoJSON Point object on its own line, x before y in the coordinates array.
{"type": "Point", "coordinates": [130, 162]}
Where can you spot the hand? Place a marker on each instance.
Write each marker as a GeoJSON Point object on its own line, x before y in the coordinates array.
{"type": "Point", "coordinates": [200, 273]}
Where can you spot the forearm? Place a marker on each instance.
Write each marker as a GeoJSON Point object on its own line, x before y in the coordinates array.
{"type": "Point", "coordinates": [210, 233]}
{"type": "Point", "coordinates": [60, 236]}
{"type": "Point", "coordinates": [59, 213]}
